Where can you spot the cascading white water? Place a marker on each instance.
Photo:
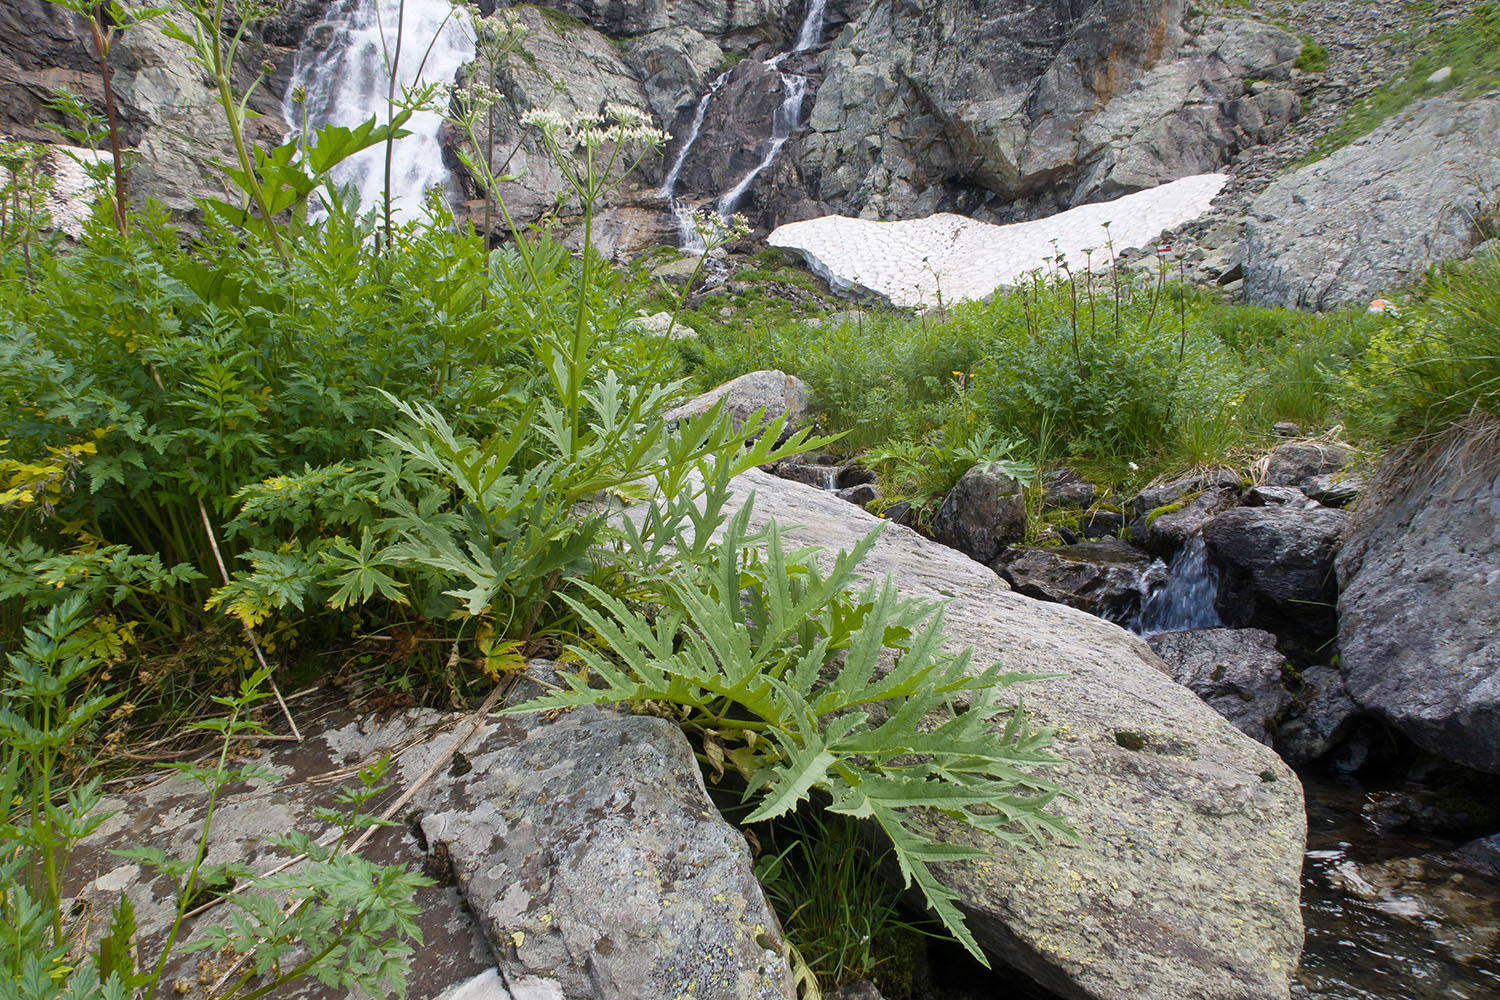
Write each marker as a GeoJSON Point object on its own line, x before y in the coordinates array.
{"type": "Point", "coordinates": [784, 122]}
{"type": "Point", "coordinates": [1186, 600]}
{"type": "Point", "coordinates": [348, 81]}
{"type": "Point", "coordinates": [681, 210]}
{"type": "Point", "coordinates": [812, 26]}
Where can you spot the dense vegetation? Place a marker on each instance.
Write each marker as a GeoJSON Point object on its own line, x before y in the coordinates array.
{"type": "Point", "coordinates": [290, 444]}
{"type": "Point", "coordinates": [1124, 380]}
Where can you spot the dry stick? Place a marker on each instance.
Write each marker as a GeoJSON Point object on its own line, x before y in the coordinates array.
{"type": "Point", "coordinates": [249, 632]}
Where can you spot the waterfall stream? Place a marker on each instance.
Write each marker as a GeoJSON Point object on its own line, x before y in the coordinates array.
{"type": "Point", "coordinates": [1186, 600]}
{"type": "Point", "coordinates": [784, 122]}
{"type": "Point", "coordinates": [348, 81]}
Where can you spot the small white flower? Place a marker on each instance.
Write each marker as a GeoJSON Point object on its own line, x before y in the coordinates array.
{"type": "Point", "coordinates": [1134, 467]}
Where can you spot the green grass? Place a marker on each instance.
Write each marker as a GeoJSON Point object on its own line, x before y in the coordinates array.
{"type": "Point", "coordinates": [1471, 47]}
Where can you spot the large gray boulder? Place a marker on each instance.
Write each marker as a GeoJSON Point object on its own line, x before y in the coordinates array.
{"type": "Point", "coordinates": [1276, 570]}
{"type": "Point", "coordinates": [1237, 671]}
{"type": "Point", "coordinates": [586, 847]}
{"type": "Point", "coordinates": [1072, 102]}
{"type": "Point", "coordinates": [775, 392]}
{"type": "Point", "coordinates": [1184, 883]}
{"type": "Point", "coordinates": [1419, 607]}
{"type": "Point", "coordinates": [1378, 213]}
{"type": "Point", "coordinates": [982, 514]}
{"type": "Point", "coordinates": [1296, 462]}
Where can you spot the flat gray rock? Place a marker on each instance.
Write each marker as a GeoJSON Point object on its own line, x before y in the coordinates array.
{"type": "Point", "coordinates": [1185, 884]}
{"type": "Point", "coordinates": [773, 391]}
{"type": "Point", "coordinates": [1375, 215]}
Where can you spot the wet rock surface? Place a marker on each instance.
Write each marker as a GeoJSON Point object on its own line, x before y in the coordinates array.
{"type": "Point", "coordinates": [1237, 671]}
{"type": "Point", "coordinates": [1102, 578]}
{"type": "Point", "coordinates": [1321, 717]}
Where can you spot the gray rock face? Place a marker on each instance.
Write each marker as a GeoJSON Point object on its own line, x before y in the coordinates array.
{"type": "Point", "coordinates": [773, 391]}
{"type": "Point", "coordinates": [1074, 100]}
{"type": "Point", "coordinates": [1184, 883]}
{"type": "Point", "coordinates": [1377, 213]}
{"type": "Point", "coordinates": [983, 514]}
{"type": "Point", "coordinates": [676, 66]}
{"type": "Point", "coordinates": [740, 22]}
{"type": "Point", "coordinates": [1237, 671]}
{"type": "Point", "coordinates": [628, 851]}
{"type": "Point", "coordinates": [1322, 716]}
{"type": "Point", "coordinates": [592, 855]}
{"type": "Point", "coordinates": [1333, 489]}
{"type": "Point", "coordinates": [1295, 462]}
{"type": "Point", "coordinates": [1065, 488]}
{"type": "Point", "coordinates": [1277, 569]}
{"type": "Point", "coordinates": [592, 72]}
{"type": "Point", "coordinates": [1103, 578]}
{"type": "Point", "coordinates": [1419, 611]}
{"type": "Point", "coordinates": [168, 113]}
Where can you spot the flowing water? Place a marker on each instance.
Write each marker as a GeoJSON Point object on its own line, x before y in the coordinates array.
{"type": "Point", "coordinates": [784, 121]}
{"type": "Point", "coordinates": [1387, 918]}
{"type": "Point", "coordinates": [682, 211]}
{"type": "Point", "coordinates": [348, 81]}
{"type": "Point", "coordinates": [1185, 600]}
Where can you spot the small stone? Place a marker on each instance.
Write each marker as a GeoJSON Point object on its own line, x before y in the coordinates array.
{"type": "Point", "coordinates": [1441, 75]}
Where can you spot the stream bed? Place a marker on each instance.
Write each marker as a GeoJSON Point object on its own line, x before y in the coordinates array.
{"type": "Point", "coordinates": [1387, 917]}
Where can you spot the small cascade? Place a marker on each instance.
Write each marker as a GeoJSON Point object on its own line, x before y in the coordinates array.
{"type": "Point", "coordinates": [348, 81]}
{"type": "Point", "coordinates": [681, 210]}
{"type": "Point", "coordinates": [1186, 600]}
{"type": "Point", "coordinates": [784, 122]}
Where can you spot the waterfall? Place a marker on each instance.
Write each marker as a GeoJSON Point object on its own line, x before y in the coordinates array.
{"type": "Point", "coordinates": [681, 210]}
{"type": "Point", "coordinates": [784, 122]}
{"type": "Point", "coordinates": [812, 26]}
{"type": "Point", "coordinates": [1186, 600]}
{"type": "Point", "coordinates": [347, 82]}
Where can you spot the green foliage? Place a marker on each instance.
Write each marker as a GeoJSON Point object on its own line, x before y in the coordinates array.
{"type": "Point", "coordinates": [844, 921]}
{"type": "Point", "coordinates": [350, 926]}
{"type": "Point", "coordinates": [1470, 46]}
{"type": "Point", "coordinates": [1314, 56]}
{"type": "Point", "coordinates": [789, 677]}
{"type": "Point", "coordinates": [1435, 363]}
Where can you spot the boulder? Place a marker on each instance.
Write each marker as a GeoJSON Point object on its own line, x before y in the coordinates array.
{"type": "Point", "coordinates": [1334, 489]}
{"type": "Point", "coordinates": [1294, 463]}
{"type": "Point", "coordinates": [983, 514]}
{"type": "Point", "coordinates": [1168, 531]}
{"type": "Point", "coordinates": [861, 496]}
{"type": "Point", "coordinates": [773, 391]}
{"type": "Point", "coordinates": [1276, 570]}
{"type": "Point", "coordinates": [1237, 671]}
{"type": "Point", "coordinates": [1165, 494]}
{"type": "Point", "coordinates": [1321, 717]}
{"type": "Point", "coordinates": [585, 846]}
{"type": "Point", "coordinates": [1375, 215]}
{"type": "Point", "coordinates": [1419, 607]}
{"type": "Point", "coordinates": [661, 324]}
{"type": "Point", "coordinates": [1184, 882]}
{"type": "Point", "coordinates": [1103, 578]}
{"type": "Point", "coordinates": [1275, 496]}
{"type": "Point", "coordinates": [1066, 488]}
{"type": "Point", "coordinates": [592, 856]}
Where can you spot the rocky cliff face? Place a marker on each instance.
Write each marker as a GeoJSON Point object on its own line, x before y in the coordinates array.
{"type": "Point", "coordinates": [169, 116]}
{"type": "Point", "coordinates": [1074, 101]}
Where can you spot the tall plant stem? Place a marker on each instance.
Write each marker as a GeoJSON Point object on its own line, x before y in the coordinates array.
{"type": "Point", "coordinates": [101, 52]}
{"type": "Point", "coordinates": [390, 113]}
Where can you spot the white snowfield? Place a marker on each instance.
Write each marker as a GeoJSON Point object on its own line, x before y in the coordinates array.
{"type": "Point", "coordinates": [945, 258]}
